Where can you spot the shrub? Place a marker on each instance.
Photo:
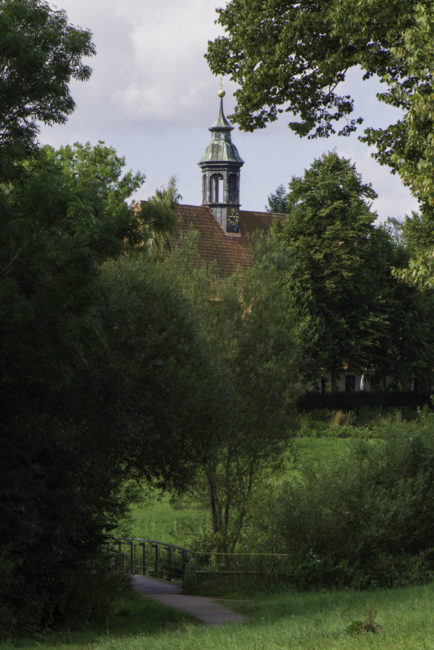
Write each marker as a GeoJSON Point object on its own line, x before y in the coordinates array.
{"type": "Point", "coordinates": [366, 521]}
{"type": "Point", "coordinates": [58, 500]}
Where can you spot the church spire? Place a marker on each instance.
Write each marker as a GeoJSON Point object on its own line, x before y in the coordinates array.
{"type": "Point", "coordinates": [221, 122]}
{"type": "Point", "coordinates": [221, 164]}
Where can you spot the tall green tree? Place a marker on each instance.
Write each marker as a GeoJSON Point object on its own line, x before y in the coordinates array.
{"type": "Point", "coordinates": [336, 268]}
{"type": "Point", "coordinates": [88, 372]}
{"type": "Point", "coordinates": [40, 53]}
{"type": "Point", "coordinates": [154, 372]}
{"type": "Point", "coordinates": [338, 276]}
{"type": "Point", "coordinates": [63, 215]}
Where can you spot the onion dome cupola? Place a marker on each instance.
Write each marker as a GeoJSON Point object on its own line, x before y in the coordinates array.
{"type": "Point", "coordinates": [221, 164]}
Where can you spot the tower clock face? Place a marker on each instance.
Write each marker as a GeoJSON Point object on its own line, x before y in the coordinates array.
{"type": "Point", "coordinates": [233, 222]}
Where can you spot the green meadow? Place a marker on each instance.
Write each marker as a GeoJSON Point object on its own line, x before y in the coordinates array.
{"type": "Point", "coordinates": [401, 619]}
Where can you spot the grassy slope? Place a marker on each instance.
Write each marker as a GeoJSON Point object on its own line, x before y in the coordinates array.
{"type": "Point", "coordinates": [312, 621]}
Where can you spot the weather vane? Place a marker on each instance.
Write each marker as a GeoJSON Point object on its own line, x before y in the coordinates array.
{"type": "Point", "coordinates": [221, 92]}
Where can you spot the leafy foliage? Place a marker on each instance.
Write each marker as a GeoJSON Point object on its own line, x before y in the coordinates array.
{"type": "Point", "coordinates": [153, 371]}
{"type": "Point", "coordinates": [40, 53]}
{"type": "Point", "coordinates": [158, 219]}
{"type": "Point", "coordinates": [64, 214]}
{"type": "Point", "coordinates": [277, 201]}
{"type": "Point", "coordinates": [408, 145]}
{"type": "Point", "coordinates": [58, 502]}
{"type": "Point", "coordinates": [328, 231]}
{"type": "Point", "coordinates": [252, 342]}
{"type": "Point", "coordinates": [337, 276]}
{"type": "Point", "coordinates": [84, 405]}
{"type": "Point", "coordinates": [367, 520]}
{"type": "Point", "coordinates": [294, 54]}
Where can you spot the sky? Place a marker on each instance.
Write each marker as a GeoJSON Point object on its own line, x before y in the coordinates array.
{"type": "Point", "coordinates": [152, 97]}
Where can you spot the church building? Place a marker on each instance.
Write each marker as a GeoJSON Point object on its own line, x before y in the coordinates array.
{"type": "Point", "coordinates": [224, 230]}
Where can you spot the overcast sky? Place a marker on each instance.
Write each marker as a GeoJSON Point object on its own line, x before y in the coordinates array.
{"type": "Point", "coordinates": [152, 97]}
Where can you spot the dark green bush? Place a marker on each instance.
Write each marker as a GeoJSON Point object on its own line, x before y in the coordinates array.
{"type": "Point", "coordinates": [58, 501]}
{"type": "Point", "coordinates": [365, 521]}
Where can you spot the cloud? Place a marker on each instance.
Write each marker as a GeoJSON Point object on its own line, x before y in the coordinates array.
{"type": "Point", "coordinates": [150, 64]}
{"type": "Point", "coordinates": [168, 79]}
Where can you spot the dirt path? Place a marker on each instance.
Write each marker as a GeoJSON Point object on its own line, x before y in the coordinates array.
{"type": "Point", "coordinates": [205, 609]}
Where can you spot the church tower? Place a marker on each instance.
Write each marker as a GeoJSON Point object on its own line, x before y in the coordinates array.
{"type": "Point", "coordinates": [221, 164]}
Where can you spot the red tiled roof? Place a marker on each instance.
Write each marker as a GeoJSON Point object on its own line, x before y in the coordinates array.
{"type": "Point", "coordinates": [229, 252]}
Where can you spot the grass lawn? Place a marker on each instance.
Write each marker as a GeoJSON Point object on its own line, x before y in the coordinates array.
{"type": "Point", "coordinates": [312, 621]}
{"type": "Point", "coordinates": [159, 519]}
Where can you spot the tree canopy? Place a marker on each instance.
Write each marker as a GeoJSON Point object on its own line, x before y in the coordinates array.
{"type": "Point", "coordinates": [101, 371]}
{"type": "Point", "coordinates": [277, 201]}
{"type": "Point", "coordinates": [338, 275]}
{"type": "Point", "coordinates": [40, 52]}
{"type": "Point", "coordinates": [292, 57]}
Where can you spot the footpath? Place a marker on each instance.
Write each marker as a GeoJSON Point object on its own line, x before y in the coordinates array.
{"type": "Point", "coordinates": [207, 610]}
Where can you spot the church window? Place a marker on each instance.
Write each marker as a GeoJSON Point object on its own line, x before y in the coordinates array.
{"type": "Point", "coordinates": [216, 187]}
{"type": "Point", "coordinates": [233, 188]}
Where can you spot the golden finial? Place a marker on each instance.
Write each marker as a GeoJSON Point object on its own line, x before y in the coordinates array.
{"type": "Point", "coordinates": [221, 92]}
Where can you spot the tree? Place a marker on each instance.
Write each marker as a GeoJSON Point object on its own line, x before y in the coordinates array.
{"type": "Point", "coordinates": [134, 407]}
{"type": "Point", "coordinates": [408, 145]}
{"type": "Point", "coordinates": [418, 234]}
{"type": "Point", "coordinates": [154, 370]}
{"type": "Point", "coordinates": [336, 272]}
{"type": "Point", "coordinates": [277, 201]}
{"type": "Point", "coordinates": [158, 218]}
{"type": "Point", "coordinates": [63, 215]}
{"type": "Point", "coordinates": [76, 415]}
{"type": "Point", "coordinates": [252, 340]}
{"type": "Point", "coordinates": [291, 57]}
{"type": "Point", "coordinates": [338, 277]}
{"type": "Point", "coordinates": [39, 54]}
{"type": "Point", "coordinates": [403, 350]}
